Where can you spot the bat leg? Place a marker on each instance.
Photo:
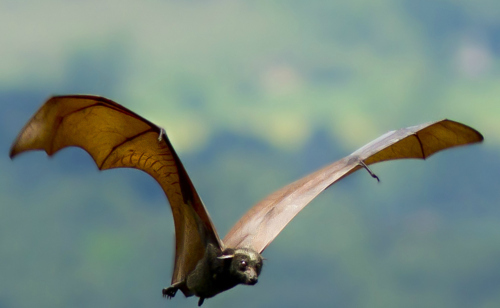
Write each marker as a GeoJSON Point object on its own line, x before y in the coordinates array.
{"type": "Point", "coordinates": [200, 302]}
{"type": "Point", "coordinates": [362, 163]}
{"type": "Point", "coordinates": [170, 291]}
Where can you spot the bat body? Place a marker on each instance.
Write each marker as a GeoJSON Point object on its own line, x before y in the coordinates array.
{"type": "Point", "coordinates": [217, 272]}
{"type": "Point", "coordinates": [205, 265]}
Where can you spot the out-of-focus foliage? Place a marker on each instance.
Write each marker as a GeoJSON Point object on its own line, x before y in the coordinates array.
{"type": "Point", "coordinates": [254, 95]}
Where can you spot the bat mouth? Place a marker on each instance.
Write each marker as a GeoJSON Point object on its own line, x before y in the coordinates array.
{"type": "Point", "coordinates": [252, 281]}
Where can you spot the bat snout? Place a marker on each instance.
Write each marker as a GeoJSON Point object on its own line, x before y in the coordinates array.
{"type": "Point", "coordinates": [252, 280]}
{"type": "Point", "coordinates": [251, 277]}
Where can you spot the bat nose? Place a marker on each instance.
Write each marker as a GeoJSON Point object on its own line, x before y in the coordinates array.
{"type": "Point", "coordinates": [253, 280]}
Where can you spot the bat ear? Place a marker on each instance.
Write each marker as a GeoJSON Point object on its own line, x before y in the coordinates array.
{"type": "Point", "coordinates": [225, 257]}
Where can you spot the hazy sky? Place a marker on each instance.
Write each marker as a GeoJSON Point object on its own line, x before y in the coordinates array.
{"type": "Point", "coordinates": [262, 68]}
{"type": "Point", "coordinates": [254, 94]}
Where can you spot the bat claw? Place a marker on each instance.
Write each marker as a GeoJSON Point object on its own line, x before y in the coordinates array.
{"type": "Point", "coordinates": [362, 163]}
{"type": "Point", "coordinates": [162, 132]}
{"type": "Point", "coordinates": [169, 292]}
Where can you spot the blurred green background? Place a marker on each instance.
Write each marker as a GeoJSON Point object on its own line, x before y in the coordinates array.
{"type": "Point", "coordinates": [255, 94]}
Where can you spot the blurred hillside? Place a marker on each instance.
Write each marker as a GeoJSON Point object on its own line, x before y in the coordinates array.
{"type": "Point", "coordinates": [255, 95]}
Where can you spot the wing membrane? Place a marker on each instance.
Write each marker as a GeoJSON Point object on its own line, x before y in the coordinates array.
{"type": "Point", "coordinates": [263, 222]}
{"type": "Point", "coordinates": [116, 137]}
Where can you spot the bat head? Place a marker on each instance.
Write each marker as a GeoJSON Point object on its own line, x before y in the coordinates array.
{"type": "Point", "coordinates": [246, 265]}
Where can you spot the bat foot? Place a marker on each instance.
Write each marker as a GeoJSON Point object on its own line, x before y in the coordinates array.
{"type": "Point", "coordinates": [169, 292]}
{"type": "Point", "coordinates": [200, 301]}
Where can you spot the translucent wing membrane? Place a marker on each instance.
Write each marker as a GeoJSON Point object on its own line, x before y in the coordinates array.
{"type": "Point", "coordinates": [262, 223]}
{"type": "Point", "coordinates": [116, 137]}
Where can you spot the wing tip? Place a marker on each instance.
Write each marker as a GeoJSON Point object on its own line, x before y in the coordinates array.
{"type": "Point", "coordinates": [16, 148]}
{"type": "Point", "coordinates": [13, 152]}
{"type": "Point", "coordinates": [478, 136]}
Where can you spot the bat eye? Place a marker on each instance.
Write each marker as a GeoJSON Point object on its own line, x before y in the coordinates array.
{"type": "Point", "coordinates": [243, 264]}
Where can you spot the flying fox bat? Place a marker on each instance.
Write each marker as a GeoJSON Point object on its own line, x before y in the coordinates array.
{"type": "Point", "coordinates": [204, 264]}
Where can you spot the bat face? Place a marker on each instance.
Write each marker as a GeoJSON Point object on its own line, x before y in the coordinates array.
{"type": "Point", "coordinates": [204, 265]}
{"type": "Point", "coordinates": [246, 265]}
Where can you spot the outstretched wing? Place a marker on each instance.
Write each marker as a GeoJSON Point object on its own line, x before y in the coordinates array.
{"type": "Point", "coordinates": [262, 223]}
{"type": "Point", "coordinates": [116, 137]}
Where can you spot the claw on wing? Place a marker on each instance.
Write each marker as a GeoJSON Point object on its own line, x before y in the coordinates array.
{"type": "Point", "coordinates": [362, 163]}
{"type": "Point", "coordinates": [162, 132]}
